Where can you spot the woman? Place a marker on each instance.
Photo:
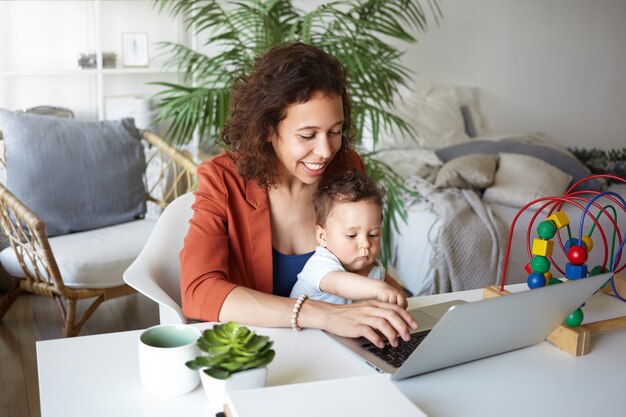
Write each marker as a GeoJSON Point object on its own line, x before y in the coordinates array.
{"type": "Point", "coordinates": [253, 227]}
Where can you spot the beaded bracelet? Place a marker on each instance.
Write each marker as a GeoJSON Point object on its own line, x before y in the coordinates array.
{"type": "Point", "coordinates": [295, 311]}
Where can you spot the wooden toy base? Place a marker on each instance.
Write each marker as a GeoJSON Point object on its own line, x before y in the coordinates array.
{"type": "Point", "coordinates": [576, 340]}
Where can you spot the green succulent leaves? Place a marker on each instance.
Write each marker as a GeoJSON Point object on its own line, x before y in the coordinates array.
{"type": "Point", "coordinates": [230, 348]}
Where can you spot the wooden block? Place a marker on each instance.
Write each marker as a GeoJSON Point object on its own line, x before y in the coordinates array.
{"type": "Point", "coordinates": [542, 247]}
{"type": "Point", "coordinates": [620, 284]}
{"type": "Point", "coordinates": [606, 325]}
{"type": "Point", "coordinates": [573, 340]}
{"type": "Point", "coordinates": [560, 219]}
{"type": "Point", "coordinates": [494, 291]}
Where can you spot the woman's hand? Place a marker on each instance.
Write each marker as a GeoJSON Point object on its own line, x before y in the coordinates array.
{"type": "Point", "coordinates": [374, 320]}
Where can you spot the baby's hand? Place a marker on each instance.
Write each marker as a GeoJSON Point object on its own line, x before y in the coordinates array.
{"type": "Point", "coordinates": [388, 294]}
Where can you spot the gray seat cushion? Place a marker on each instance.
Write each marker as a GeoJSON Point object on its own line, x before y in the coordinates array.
{"type": "Point", "coordinates": [75, 175]}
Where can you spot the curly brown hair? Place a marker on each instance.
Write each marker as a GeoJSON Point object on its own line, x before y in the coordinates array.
{"type": "Point", "coordinates": [348, 187]}
{"type": "Point", "coordinates": [287, 74]}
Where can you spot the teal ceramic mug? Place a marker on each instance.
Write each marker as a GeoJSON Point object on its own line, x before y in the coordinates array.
{"type": "Point", "coordinates": [163, 351]}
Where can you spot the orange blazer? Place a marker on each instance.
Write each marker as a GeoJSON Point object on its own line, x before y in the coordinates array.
{"type": "Point", "coordinates": [229, 242]}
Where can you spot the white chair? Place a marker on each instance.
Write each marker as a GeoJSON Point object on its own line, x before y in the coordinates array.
{"type": "Point", "coordinates": [156, 271]}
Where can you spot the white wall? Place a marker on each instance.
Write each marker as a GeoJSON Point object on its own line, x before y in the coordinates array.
{"type": "Point", "coordinates": [556, 66]}
{"type": "Point", "coordinates": [40, 42]}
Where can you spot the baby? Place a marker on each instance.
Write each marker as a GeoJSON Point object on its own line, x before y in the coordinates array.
{"type": "Point", "coordinates": [348, 213]}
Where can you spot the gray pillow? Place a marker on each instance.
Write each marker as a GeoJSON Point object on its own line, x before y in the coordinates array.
{"type": "Point", "coordinates": [75, 175]}
{"type": "Point", "coordinates": [564, 161]}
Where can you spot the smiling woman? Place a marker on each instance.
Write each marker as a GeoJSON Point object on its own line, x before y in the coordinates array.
{"type": "Point", "coordinates": [253, 226]}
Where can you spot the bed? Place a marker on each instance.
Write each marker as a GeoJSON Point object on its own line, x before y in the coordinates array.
{"type": "Point", "coordinates": [471, 186]}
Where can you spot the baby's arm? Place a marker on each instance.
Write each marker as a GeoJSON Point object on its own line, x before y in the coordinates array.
{"type": "Point", "coordinates": [357, 287]}
{"type": "Point", "coordinates": [389, 279]}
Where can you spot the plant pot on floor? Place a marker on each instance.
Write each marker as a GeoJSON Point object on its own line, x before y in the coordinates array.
{"type": "Point", "coordinates": [216, 389]}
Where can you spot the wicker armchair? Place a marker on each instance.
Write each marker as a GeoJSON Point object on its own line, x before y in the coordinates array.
{"type": "Point", "coordinates": [174, 176]}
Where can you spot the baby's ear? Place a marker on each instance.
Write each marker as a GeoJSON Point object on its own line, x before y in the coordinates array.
{"type": "Point", "coordinates": [320, 235]}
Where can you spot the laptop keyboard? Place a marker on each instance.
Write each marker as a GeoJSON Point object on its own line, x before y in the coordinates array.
{"type": "Point", "coordinates": [395, 356]}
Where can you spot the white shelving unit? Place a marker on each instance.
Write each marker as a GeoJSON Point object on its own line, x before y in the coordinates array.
{"type": "Point", "coordinates": [40, 42]}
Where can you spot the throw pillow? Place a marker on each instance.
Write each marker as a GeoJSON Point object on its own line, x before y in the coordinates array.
{"type": "Point", "coordinates": [535, 144]}
{"type": "Point", "coordinates": [521, 179]}
{"type": "Point", "coordinates": [469, 171]}
{"type": "Point", "coordinates": [75, 175]}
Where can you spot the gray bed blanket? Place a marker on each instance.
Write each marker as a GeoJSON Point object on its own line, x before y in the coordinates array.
{"type": "Point", "coordinates": [468, 227]}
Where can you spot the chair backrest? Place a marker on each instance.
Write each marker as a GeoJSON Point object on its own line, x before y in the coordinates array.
{"type": "Point", "coordinates": [156, 271]}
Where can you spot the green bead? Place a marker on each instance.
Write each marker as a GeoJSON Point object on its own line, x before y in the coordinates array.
{"type": "Point", "coordinates": [575, 319]}
{"type": "Point", "coordinates": [546, 229]}
{"type": "Point", "coordinates": [597, 270]}
{"type": "Point", "coordinates": [540, 264]}
{"type": "Point", "coordinates": [554, 281]}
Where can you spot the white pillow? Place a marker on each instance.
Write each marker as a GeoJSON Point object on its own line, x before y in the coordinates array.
{"type": "Point", "coordinates": [468, 171]}
{"type": "Point", "coordinates": [521, 179]}
{"type": "Point", "coordinates": [411, 161]}
{"type": "Point", "coordinates": [434, 112]}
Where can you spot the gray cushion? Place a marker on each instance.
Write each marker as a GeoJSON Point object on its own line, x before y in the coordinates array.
{"type": "Point", "coordinates": [75, 175]}
{"type": "Point", "coordinates": [564, 161]}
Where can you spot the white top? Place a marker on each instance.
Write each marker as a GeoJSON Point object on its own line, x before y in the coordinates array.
{"type": "Point", "coordinates": [319, 264]}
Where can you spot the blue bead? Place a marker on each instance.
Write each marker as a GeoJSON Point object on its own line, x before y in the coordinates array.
{"type": "Point", "coordinates": [575, 271]}
{"type": "Point", "coordinates": [570, 242]}
{"type": "Point", "coordinates": [536, 280]}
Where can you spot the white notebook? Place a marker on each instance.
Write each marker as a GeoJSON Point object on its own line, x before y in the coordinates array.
{"type": "Point", "coordinates": [364, 396]}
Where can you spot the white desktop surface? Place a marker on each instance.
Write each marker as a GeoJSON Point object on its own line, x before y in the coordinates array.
{"type": "Point", "coordinates": [98, 375]}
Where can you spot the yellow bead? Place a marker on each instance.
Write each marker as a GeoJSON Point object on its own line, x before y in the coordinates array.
{"type": "Point", "coordinates": [542, 247]}
{"type": "Point", "coordinates": [588, 243]}
{"type": "Point", "coordinates": [560, 219]}
{"type": "Point", "coordinates": [548, 275]}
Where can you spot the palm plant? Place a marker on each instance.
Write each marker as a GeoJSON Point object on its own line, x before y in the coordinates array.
{"type": "Point", "coordinates": [239, 30]}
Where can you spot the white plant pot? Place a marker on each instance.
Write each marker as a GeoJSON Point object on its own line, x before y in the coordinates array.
{"type": "Point", "coordinates": [216, 389]}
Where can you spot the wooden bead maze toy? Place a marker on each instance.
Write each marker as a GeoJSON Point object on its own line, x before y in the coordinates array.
{"type": "Point", "coordinates": [572, 336]}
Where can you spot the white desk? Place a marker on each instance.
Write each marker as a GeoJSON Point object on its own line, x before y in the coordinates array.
{"type": "Point", "coordinates": [98, 375]}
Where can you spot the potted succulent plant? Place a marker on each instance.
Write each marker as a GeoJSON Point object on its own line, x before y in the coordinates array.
{"type": "Point", "coordinates": [234, 357]}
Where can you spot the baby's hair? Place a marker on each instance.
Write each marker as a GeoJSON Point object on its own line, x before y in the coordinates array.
{"type": "Point", "coordinates": [349, 187]}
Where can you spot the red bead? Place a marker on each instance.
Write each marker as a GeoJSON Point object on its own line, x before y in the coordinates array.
{"type": "Point", "coordinates": [577, 255]}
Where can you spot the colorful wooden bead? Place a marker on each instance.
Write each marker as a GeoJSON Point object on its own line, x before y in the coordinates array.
{"type": "Point", "coordinates": [536, 280]}
{"type": "Point", "coordinates": [575, 271]}
{"type": "Point", "coordinates": [546, 229]}
{"type": "Point", "coordinates": [528, 269]}
{"type": "Point", "coordinates": [540, 264]}
{"type": "Point", "coordinates": [588, 243]}
{"type": "Point", "coordinates": [571, 242]}
{"type": "Point", "coordinates": [548, 275]}
{"type": "Point", "coordinates": [597, 270]}
{"type": "Point", "coordinates": [560, 219]}
{"type": "Point", "coordinates": [577, 255]}
{"type": "Point", "coordinates": [575, 319]}
{"type": "Point", "coordinates": [553, 281]}
{"type": "Point", "coordinates": [542, 247]}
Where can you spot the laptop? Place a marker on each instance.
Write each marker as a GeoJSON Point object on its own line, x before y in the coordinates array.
{"type": "Point", "coordinates": [455, 332]}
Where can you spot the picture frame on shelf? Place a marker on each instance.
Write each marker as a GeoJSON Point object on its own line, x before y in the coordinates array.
{"type": "Point", "coordinates": [135, 49]}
